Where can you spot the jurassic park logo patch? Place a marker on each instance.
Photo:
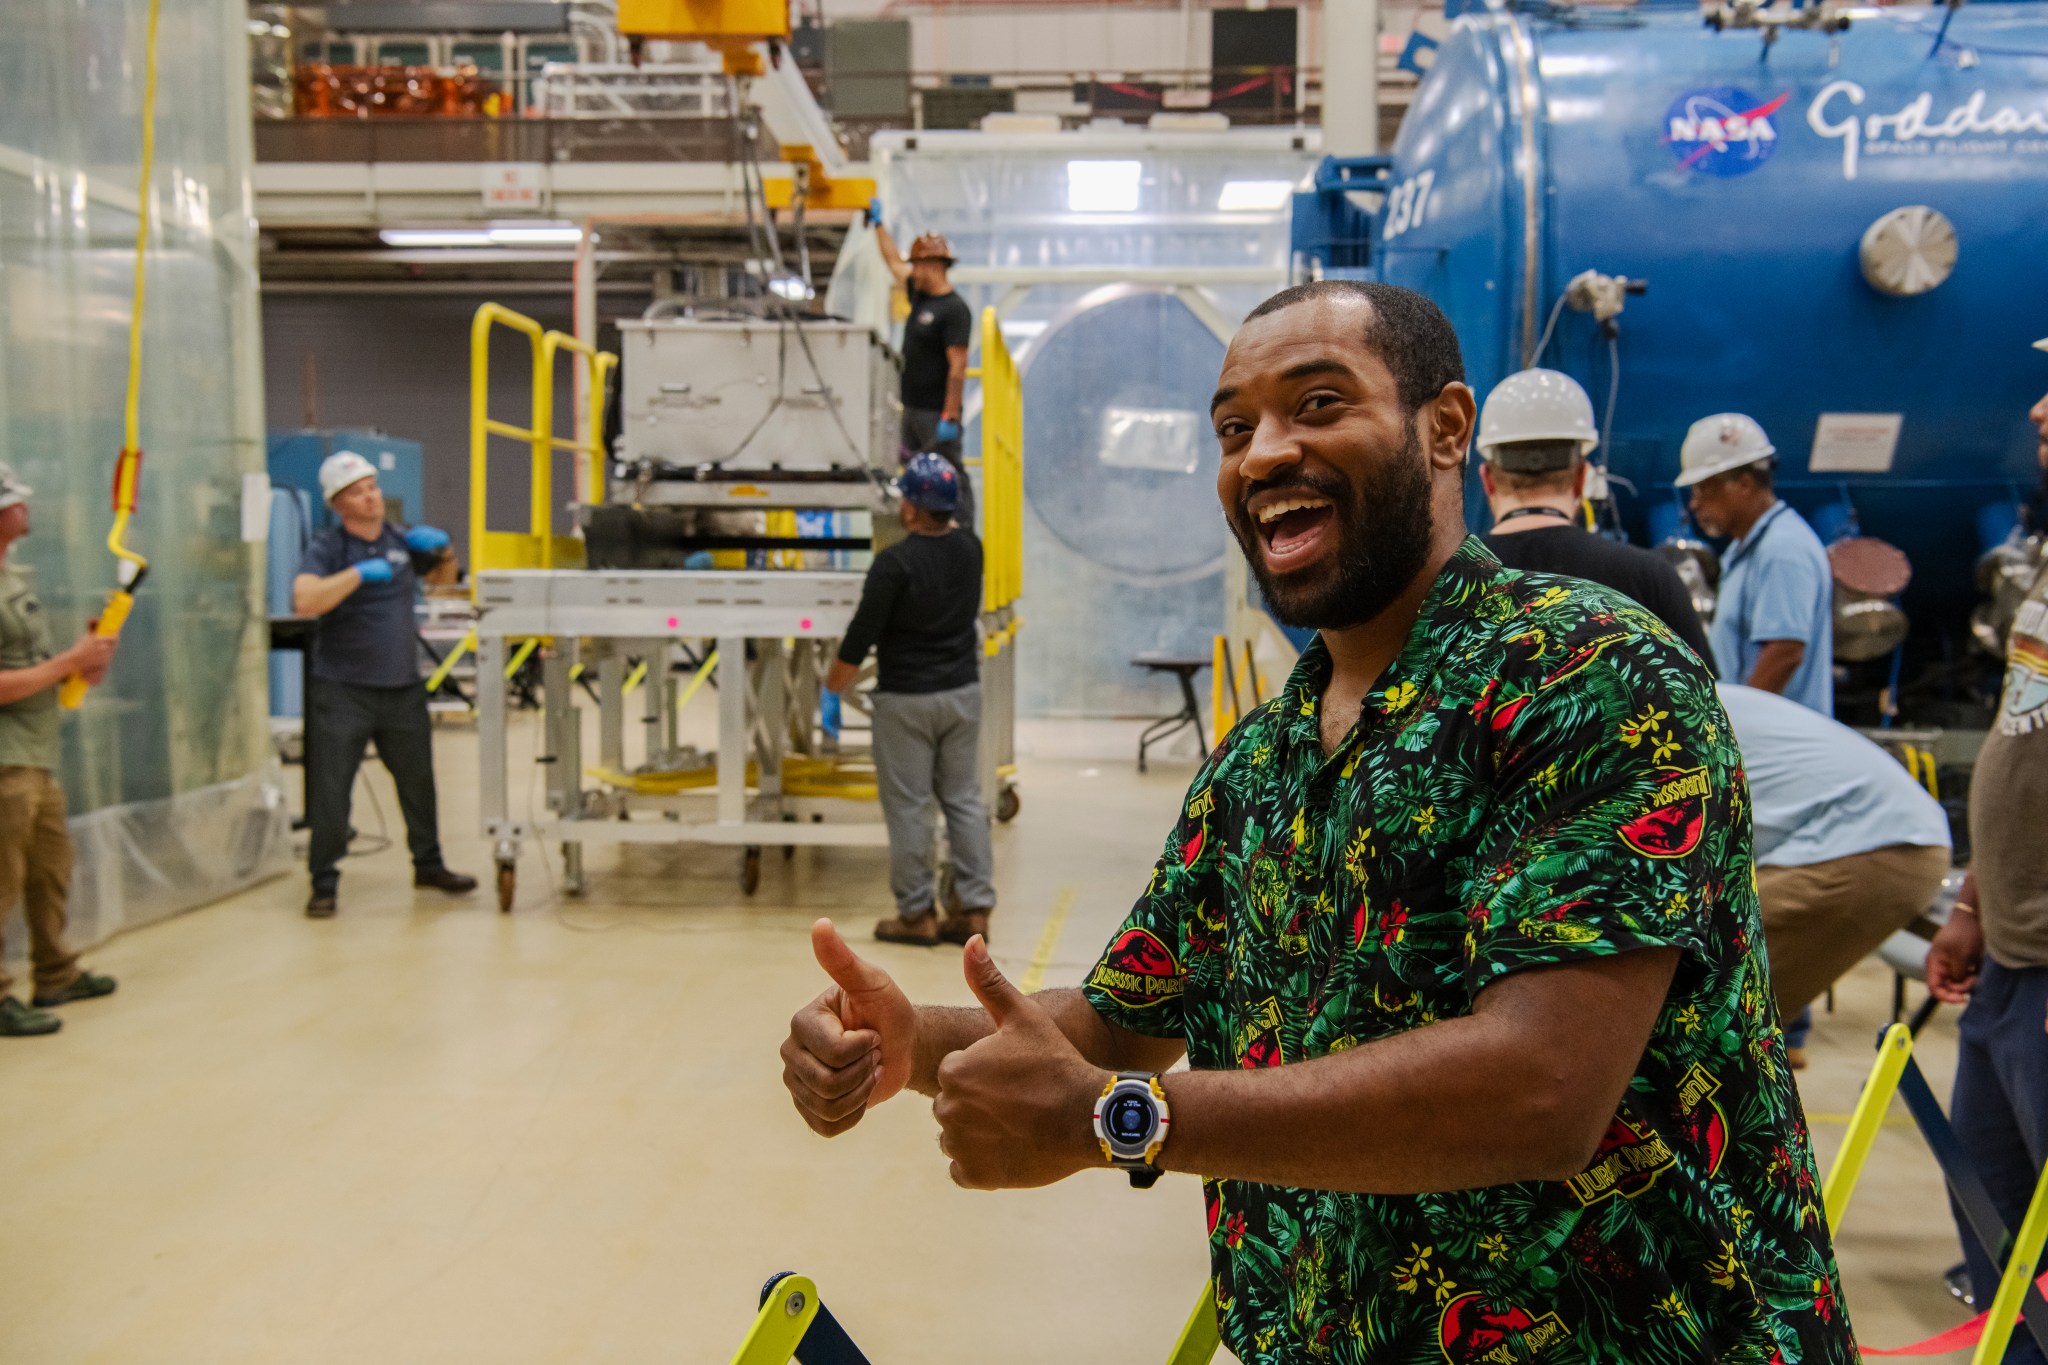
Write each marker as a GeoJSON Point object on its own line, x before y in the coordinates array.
{"type": "Point", "coordinates": [1138, 971]}
{"type": "Point", "coordinates": [1629, 1160]}
{"type": "Point", "coordinates": [1671, 821]}
{"type": "Point", "coordinates": [1469, 1332]}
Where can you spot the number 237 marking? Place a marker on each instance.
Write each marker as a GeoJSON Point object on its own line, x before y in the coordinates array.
{"type": "Point", "coordinates": [1408, 204]}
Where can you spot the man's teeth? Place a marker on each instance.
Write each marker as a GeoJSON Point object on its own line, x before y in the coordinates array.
{"type": "Point", "coordinates": [1272, 512]}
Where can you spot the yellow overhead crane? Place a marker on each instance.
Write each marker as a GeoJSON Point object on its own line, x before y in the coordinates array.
{"type": "Point", "coordinates": [751, 36]}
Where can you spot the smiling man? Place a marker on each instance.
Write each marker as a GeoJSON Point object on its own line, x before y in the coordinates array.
{"type": "Point", "coordinates": [1458, 935]}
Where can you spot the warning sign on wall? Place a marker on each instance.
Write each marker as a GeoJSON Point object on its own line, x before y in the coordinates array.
{"type": "Point", "coordinates": [512, 185]}
{"type": "Point", "coordinates": [1855, 442]}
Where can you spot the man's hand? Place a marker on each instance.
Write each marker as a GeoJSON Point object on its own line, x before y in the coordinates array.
{"type": "Point", "coordinates": [851, 1047]}
{"type": "Point", "coordinates": [1954, 957]}
{"type": "Point", "coordinates": [91, 657]}
{"type": "Point", "coordinates": [426, 540]}
{"type": "Point", "coordinates": [376, 570]}
{"type": "Point", "coordinates": [1013, 1108]}
{"type": "Point", "coordinates": [947, 430]}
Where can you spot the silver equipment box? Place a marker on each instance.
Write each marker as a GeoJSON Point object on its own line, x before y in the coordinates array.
{"type": "Point", "coordinates": [755, 401]}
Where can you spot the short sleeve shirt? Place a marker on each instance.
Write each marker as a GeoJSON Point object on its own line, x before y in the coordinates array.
{"type": "Point", "coordinates": [1776, 585]}
{"type": "Point", "coordinates": [28, 727]}
{"type": "Point", "coordinates": [1542, 776]}
{"type": "Point", "coordinates": [936, 322]}
{"type": "Point", "coordinates": [372, 638]}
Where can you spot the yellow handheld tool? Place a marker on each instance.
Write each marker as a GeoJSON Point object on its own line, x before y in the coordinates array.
{"type": "Point", "coordinates": [132, 567]}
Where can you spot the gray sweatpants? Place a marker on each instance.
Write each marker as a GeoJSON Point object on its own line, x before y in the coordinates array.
{"type": "Point", "coordinates": [925, 748]}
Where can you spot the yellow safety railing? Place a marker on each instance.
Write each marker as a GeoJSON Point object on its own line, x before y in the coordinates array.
{"type": "Point", "coordinates": [537, 547]}
{"type": "Point", "coordinates": [1002, 469]}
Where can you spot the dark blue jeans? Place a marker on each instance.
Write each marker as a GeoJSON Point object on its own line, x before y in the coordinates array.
{"type": "Point", "coordinates": [2000, 1110]}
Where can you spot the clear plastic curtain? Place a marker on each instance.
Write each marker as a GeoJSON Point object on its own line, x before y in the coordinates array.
{"type": "Point", "coordinates": [168, 765]}
{"type": "Point", "coordinates": [1124, 543]}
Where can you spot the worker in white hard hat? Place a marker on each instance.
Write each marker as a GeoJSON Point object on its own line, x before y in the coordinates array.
{"type": "Point", "coordinates": [35, 842]}
{"type": "Point", "coordinates": [1535, 432]}
{"type": "Point", "coordinates": [1774, 625]}
{"type": "Point", "coordinates": [363, 676]}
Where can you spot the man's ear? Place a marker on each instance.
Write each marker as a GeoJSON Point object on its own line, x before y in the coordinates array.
{"type": "Point", "coordinates": [1454, 414]}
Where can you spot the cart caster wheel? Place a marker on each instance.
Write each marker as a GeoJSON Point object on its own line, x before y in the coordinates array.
{"type": "Point", "coordinates": [1008, 803]}
{"type": "Point", "coordinates": [750, 871]}
{"type": "Point", "coordinates": [508, 884]}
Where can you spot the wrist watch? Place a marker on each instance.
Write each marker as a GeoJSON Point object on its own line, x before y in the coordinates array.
{"type": "Point", "coordinates": [1131, 1119]}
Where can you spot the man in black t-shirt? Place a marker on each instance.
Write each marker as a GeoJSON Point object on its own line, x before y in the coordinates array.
{"type": "Point", "coordinates": [1534, 434]}
{"type": "Point", "coordinates": [936, 336]}
{"type": "Point", "coordinates": [918, 612]}
{"type": "Point", "coordinates": [363, 677]}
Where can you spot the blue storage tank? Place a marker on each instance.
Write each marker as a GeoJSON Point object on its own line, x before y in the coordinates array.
{"type": "Point", "coordinates": [1739, 177]}
{"type": "Point", "coordinates": [295, 459]}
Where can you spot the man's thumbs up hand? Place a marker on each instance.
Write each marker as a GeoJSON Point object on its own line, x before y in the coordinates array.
{"type": "Point", "coordinates": [851, 1047]}
{"type": "Point", "coordinates": [1014, 1109]}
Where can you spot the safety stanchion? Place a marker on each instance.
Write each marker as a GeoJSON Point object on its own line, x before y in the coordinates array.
{"type": "Point", "coordinates": [2019, 1298]}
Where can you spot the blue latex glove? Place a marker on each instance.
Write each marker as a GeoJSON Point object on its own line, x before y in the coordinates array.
{"type": "Point", "coordinates": [949, 430]}
{"type": "Point", "coordinates": [426, 540]}
{"type": "Point", "coordinates": [875, 212]}
{"type": "Point", "coordinates": [374, 570]}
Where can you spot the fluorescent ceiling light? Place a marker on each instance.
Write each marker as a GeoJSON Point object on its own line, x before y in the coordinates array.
{"type": "Point", "coordinates": [1103, 186]}
{"type": "Point", "coordinates": [435, 237]}
{"type": "Point", "coordinates": [792, 288]}
{"type": "Point", "coordinates": [539, 234]}
{"type": "Point", "coordinates": [528, 234]}
{"type": "Point", "coordinates": [1254, 196]}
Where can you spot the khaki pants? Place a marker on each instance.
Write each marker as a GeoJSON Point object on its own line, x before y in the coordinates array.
{"type": "Point", "coordinates": [1824, 918]}
{"type": "Point", "coordinates": [35, 868]}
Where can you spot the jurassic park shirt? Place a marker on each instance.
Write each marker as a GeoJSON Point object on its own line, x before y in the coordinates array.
{"type": "Point", "coordinates": [1543, 775]}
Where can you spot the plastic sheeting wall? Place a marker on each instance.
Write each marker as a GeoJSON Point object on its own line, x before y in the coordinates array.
{"type": "Point", "coordinates": [1125, 547]}
{"type": "Point", "coordinates": [168, 767]}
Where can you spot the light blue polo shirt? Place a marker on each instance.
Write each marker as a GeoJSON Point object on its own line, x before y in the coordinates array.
{"type": "Point", "coordinates": [1776, 585]}
{"type": "Point", "coordinates": [1818, 790]}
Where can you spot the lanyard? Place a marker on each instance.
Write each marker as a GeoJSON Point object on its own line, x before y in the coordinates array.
{"type": "Point", "coordinates": [1756, 538]}
{"type": "Point", "coordinates": [1507, 517]}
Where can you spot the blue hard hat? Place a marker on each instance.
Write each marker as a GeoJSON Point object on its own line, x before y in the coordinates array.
{"type": "Point", "coordinates": [930, 481]}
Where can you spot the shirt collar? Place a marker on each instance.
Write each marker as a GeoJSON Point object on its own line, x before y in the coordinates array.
{"type": "Point", "coordinates": [1744, 541]}
{"type": "Point", "coordinates": [1450, 602]}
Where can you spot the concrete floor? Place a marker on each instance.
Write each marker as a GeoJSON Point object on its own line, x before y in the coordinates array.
{"type": "Point", "coordinates": [424, 1132]}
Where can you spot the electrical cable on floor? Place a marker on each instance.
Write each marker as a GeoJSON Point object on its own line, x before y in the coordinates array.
{"type": "Point", "coordinates": [361, 847]}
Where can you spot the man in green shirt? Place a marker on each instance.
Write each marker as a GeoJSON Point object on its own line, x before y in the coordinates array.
{"type": "Point", "coordinates": [35, 845]}
{"type": "Point", "coordinates": [1458, 934]}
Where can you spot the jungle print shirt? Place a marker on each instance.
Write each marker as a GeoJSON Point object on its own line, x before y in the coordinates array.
{"type": "Point", "coordinates": [1541, 776]}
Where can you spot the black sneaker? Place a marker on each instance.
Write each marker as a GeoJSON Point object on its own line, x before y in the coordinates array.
{"type": "Point", "coordinates": [87, 986]}
{"type": "Point", "coordinates": [321, 905]}
{"type": "Point", "coordinates": [20, 1021]}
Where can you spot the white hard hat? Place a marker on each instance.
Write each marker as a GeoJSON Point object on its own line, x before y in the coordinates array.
{"type": "Point", "coordinates": [1536, 405]}
{"type": "Point", "coordinates": [342, 468]}
{"type": "Point", "coordinates": [1717, 444]}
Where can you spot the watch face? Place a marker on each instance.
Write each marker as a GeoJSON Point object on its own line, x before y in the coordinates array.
{"type": "Point", "coordinates": [1130, 1119]}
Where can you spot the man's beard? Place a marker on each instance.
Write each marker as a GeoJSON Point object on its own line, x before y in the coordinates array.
{"type": "Point", "coordinates": [1383, 534]}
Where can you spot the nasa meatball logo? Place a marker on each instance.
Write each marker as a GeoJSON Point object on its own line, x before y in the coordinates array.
{"type": "Point", "coordinates": [1722, 130]}
{"type": "Point", "coordinates": [1138, 971]}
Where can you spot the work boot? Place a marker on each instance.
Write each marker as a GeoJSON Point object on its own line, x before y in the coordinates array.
{"type": "Point", "coordinates": [321, 905]}
{"type": "Point", "coordinates": [922, 930]}
{"type": "Point", "coordinates": [20, 1021]}
{"type": "Point", "coordinates": [87, 986]}
{"type": "Point", "coordinates": [441, 879]}
{"type": "Point", "coordinates": [965, 925]}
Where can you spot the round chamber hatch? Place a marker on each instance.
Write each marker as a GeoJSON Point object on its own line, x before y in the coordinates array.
{"type": "Point", "coordinates": [1908, 251]}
